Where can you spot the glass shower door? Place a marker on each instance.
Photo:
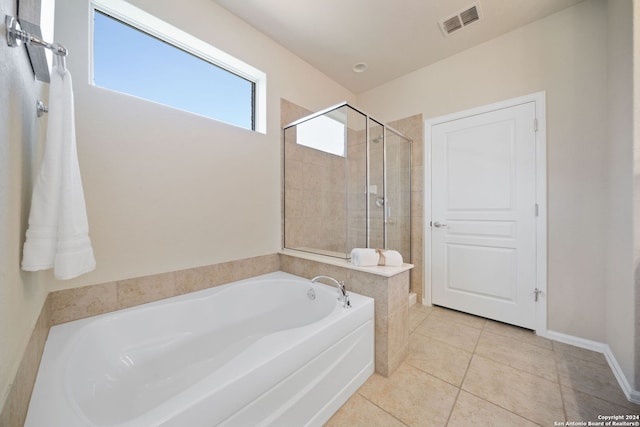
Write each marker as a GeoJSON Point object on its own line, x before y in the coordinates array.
{"type": "Point", "coordinates": [397, 203]}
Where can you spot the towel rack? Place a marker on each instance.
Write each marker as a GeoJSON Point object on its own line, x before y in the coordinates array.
{"type": "Point", "coordinates": [15, 35]}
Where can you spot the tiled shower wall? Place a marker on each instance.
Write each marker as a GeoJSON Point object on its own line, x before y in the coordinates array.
{"type": "Point", "coordinates": [376, 186]}
{"type": "Point", "coordinates": [325, 202]}
{"type": "Point", "coordinates": [413, 128]}
{"type": "Point", "coordinates": [398, 165]}
{"type": "Point", "coordinates": [316, 203]}
{"type": "Point", "coordinates": [357, 209]}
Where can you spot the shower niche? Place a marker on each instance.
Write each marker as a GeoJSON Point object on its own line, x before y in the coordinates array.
{"type": "Point", "coordinates": [347, 184]}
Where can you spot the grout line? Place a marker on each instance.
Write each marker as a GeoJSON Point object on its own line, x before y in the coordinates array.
{"type": "Point", "coordinates": [535, 374]}
{"type": "Point", "coordinates": [461, 323]}
{"type": "Point", "coordinates": [517, 338]}
{"type": "Point", "coordinates": [571, 355]}
{"type": "Point", "coordinates": [519, 341]}
{"type": "Point", "coordinates": [453, 407]}
{"type": "Point", "coordinates": [555, 360]}
{"type": "Point", "coordinates": [381, 408]}
{"type": "Point", "coordinates": [466, 371]}
{"type": "Point", "coordinates": [441, 342]}
{"type": "Point", "coordinates": [437, 377]}
{"type": "Point", "coordinates": [473, 355]}
{"type": "Point", "coordinates": [482, 398]}
{"type": "Point", "coordinates": [418, 324]}
{"type": "Point", "coordinates": [564, 408]}
{"type": "Point", "coordinates": [518, 369]}
{"type": "Point", "coordinates": [587, 392]}
{"type": "Point", "coordinates": [502, 407]}
{"type": "Point", "coordinates": [444, 342]}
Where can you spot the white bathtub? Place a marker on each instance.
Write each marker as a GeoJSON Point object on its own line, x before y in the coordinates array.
{"type": "Point", "coordinates": [251, 353]}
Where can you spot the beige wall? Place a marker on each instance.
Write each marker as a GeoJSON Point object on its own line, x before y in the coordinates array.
{"type": "Point", "coordinates": [567, 56]}
{"type": "Point", "coordinates": [564, 55]}
{"type": "Point", "coordinates": [168, 190]}
{"type": "Point", "coordinates": [21, 132]}
{"type": "Point", "coordinates": [620, 300]}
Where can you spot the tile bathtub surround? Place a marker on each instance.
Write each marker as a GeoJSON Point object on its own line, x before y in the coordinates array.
{"type": "Point", "coordinates": [15, 407]}
{"type": "Point", "coordinates": [391, 305]}
{"type": "Point", "coordinates": [464, 370]}
{"type": "Point", "coordinates": [78, 303]}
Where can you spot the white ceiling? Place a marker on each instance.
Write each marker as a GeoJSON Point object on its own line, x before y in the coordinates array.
{"type": "Point", "coordinates": [393, 37]}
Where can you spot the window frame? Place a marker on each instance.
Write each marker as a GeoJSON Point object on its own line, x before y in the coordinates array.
{"type": "Point", "coordinates": [155, 27]}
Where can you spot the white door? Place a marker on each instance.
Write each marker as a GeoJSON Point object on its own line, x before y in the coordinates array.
{"type": "Point", "coordinates": [483, 211]}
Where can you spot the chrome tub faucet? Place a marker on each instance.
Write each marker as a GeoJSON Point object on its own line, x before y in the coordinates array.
{"type": "Point", "coordinates": [343, 295]}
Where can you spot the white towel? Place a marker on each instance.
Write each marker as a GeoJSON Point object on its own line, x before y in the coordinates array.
{"type": "Point", "coordinates": [389, 258]}
{"type": "Point", "coordinates": [364, 257]}
{"type": "Point", "coordinates": [58, 233]}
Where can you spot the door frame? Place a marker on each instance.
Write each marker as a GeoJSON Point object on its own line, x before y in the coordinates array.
{"type": "Point", "coordinates": [539, 98]}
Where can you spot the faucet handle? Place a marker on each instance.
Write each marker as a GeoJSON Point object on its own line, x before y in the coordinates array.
{"type": "Point", "coordinates": [343, 295]}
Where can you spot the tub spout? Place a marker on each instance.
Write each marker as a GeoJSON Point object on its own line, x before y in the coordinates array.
{"type": "Point", "coordinates": [343, 295]}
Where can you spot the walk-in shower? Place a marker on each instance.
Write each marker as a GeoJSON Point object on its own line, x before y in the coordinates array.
{"type": "Point", "coordinates": [347, 184]}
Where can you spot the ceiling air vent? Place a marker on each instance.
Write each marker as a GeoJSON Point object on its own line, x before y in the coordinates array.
{"type": "Point", "coordinates": [465, 17]}
{"type": "Point", "coordinates": [452, 24]}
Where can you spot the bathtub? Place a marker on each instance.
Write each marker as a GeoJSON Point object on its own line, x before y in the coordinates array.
{"type": "Point", "coordinates": [272, 350]}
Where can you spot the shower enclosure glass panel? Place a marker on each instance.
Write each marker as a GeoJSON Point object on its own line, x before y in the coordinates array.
{"type": "Point", "coordinates": [324, 175]}
{"type": "Point", "coordinates": [376, 185]}
{"type": "Point", "coordinates": [346, 184]}
{"type": "Point", "coordinates": [398, 193]}
{"type": "Point", "coordinates": [356, 181]}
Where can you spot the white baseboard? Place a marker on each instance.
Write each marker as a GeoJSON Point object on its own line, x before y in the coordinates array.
{"type": "Point", "coordinates": [576, 341]}
{"type": "Point", "coordinates": [631, 394]}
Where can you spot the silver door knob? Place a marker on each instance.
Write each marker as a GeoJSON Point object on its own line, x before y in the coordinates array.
{"type": "Point", "coordinates": [437, 224]}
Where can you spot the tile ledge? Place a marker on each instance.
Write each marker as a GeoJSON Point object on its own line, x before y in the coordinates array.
{"type": "Point", "coordinates": [377, 270]}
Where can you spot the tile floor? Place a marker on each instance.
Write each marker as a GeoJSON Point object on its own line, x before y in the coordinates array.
{"type": "Point", "coordinates": [464, 370]}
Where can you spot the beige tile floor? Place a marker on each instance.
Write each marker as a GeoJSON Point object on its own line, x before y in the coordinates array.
{"type": "Point", "coordinates": [464, 370]}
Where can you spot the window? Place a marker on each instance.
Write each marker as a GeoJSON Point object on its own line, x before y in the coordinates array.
{"type": "Point", "coordinates": [140, 55]}
{"type": "Point", "coordinates": [322, 133]}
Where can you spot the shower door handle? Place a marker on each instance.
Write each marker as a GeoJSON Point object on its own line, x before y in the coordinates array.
{"type": "Point", "coordinates": [437, 224]}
